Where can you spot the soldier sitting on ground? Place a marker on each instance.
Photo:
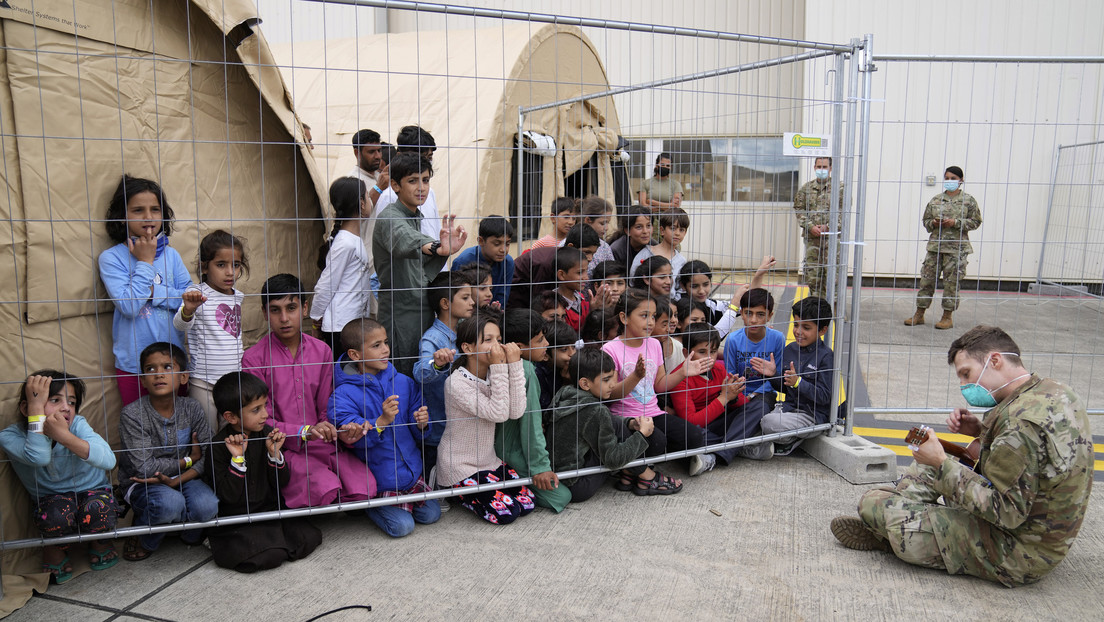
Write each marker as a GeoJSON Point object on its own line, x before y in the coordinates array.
{"type": "Point", "coordinates": [1014, 517]}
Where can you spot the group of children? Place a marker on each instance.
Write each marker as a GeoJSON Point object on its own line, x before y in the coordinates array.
{"type": "Point", "coordinates": [581, 353]}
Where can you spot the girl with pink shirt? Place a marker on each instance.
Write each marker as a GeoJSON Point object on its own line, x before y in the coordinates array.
{"type": "Point", "coordinates": [639, 360]}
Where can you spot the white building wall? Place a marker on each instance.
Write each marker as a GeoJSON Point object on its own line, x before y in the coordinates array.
{"type": "Point", "coordinates": [1001, 123]}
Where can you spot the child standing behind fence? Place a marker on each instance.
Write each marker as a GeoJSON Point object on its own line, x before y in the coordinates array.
{"type": "Point", "coordinates": [487, 387]}
{"type": "Point", "coordinates": [406, 259]}
{"type": "Point", "coordinates": [343, 292]}
{"type": "Point", "coordinates": [64, 466]}
{"type": "Point", "coordinates": [144, 277]}
{"type": "Point", "coordinates": [211, 316]}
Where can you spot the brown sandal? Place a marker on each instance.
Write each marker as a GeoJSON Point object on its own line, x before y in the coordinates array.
{"type": "Point", "coordinates": [133, 551]}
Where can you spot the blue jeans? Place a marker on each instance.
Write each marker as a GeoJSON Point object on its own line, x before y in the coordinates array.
{"type": "Point", "coordinates": [158, 504]}
{"type": "Point", "coordinates": [397, 522]}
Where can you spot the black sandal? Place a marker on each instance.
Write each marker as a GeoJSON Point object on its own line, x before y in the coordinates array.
{"type": "Point", "coordinates": [626, 483]}
{"type": "Point", "coordinates": [660, 484]}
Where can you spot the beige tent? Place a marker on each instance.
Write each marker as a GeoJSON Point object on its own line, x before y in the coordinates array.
{"type": "Point", "coordinates": [464, 87]}
{"type": "Point", "coordinates": [90, 89]}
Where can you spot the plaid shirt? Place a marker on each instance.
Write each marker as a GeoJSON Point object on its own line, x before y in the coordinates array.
{"type": "Point", "coordinates": [419, 486]}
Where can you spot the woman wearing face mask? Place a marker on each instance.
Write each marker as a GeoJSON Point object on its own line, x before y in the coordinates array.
{"type": "Point", "coordinates": [949, 219]}
{"type": "Point", "coordinates": [661, 191]}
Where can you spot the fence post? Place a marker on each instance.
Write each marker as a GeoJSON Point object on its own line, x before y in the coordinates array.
{"type": "Point", "coordinates": [867, 70]}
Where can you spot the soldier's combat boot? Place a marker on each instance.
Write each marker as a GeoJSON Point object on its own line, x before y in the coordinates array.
{"type": "Point", "coordinates": [916, 319]}
{"type": "Point", "coordinates": [854, 534]}
{"type": "Point", "coordinates": [946, 322]}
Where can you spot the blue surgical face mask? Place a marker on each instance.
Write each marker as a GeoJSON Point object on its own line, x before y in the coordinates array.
{"type": "Point", "coordinates": [822, 173]}
{"type": "Point", "coordinates": [950, 185]}
{"type": "Point", "coordinates": [977, 395]}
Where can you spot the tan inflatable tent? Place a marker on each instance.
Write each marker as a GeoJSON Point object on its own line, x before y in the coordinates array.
{"type": "Point", "coordinates": [90, 89]}
{"type": "Point", "coordinates": [465, 88]}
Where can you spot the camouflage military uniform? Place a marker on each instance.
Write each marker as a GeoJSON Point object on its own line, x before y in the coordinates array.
{"type": "Point", "coordinates": [948, 247]}
{"type": "Point", "coordinates": [812, 203]}
{"type": "Point", "coordinates": [1014, 518]}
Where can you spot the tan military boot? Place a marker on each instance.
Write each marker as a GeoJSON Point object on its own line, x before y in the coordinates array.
{"type": "Point", "coordinates": [946, 321]}
{"type": "Point", "coordinates": [854, 534]}
{"type": "Point", "coordinates": [916, 319]}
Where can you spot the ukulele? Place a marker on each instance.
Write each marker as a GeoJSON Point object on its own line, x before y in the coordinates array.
{"type": "Point", "coordinates": [966, 455]}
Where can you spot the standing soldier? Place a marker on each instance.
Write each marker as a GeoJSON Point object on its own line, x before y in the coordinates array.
{"type": "Point", "coordinates": [949, 219]}
{"type": "Point", "coordinates": [1013, 517]}
{"type": "Point", "coordinates": [813, 204]}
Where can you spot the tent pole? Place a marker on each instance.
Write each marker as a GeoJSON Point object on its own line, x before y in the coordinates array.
{"type": "Point", "coordinates": [520, 187]}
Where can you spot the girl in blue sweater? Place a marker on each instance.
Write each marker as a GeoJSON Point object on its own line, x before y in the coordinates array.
{"type": "Point", "coordinates": [64, 466]}
{"type": "Point", "coordinates": [144, 276]}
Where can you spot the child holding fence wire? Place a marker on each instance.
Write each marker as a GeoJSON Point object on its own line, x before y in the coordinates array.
{"type": "Point", "coordinates": [211, 316]}
{"type": "Point", "coordinates": [64, 466]}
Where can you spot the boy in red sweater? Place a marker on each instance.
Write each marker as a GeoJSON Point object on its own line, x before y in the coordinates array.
{"type": "Point", "coordinates": [701, 399]}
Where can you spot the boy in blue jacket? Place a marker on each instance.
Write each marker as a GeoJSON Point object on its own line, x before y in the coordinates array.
{"type": "Point", "coordinates": [369, 392]}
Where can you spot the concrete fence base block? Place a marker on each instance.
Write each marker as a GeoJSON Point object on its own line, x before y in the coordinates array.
{"type": "Point", "coordinates": [853, 458]}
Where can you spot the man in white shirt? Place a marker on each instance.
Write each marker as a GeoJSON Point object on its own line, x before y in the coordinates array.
{"type": "Point", "coordinates": [412, 139]}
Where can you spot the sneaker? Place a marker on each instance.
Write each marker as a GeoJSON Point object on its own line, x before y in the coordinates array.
{"type": "Point", "coordinates": [854, 534]}
{"type": "Point", "coordinates": [443, 502]}
{"type": "Point", "coordinates": [701, 463]}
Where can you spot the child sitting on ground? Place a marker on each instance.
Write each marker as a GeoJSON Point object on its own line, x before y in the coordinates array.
{"type": "Point", "coordinates": [388, 405]}
{"type": "Point", "coordinates": [164, 439]}
{"type": "Point", "coordinates": [65, 466]}
{"type": "Point", "coordinates": [584, 434]}
{"type": "Point", "coordinates": [700, 400]}
{"type": "Point", "coordinates": [641, 378]}
{"type": "Point", "coordinates": [806, 379]}
{"type": "Point", "coordinates": [563, 216]}
{"type": "Point", "coordinates": [520, 442]}
{"type": "Point", "coordinates": [696, 279]}
{"type": "Point", "coordinates": [450, 295]}
{"type": "Point", "coordinates": [673, 223]}
{"type": "Point", "coordinates": [552, 373]}
{"type": "Point", "coordinates": [492, 246]}
{"type": "Point", "coordinates": [487, 387]}
{"type": "Point", "coordinates": [248, 470]}
{"type": "Point", "coordinates": [299, 370]}
{"type": "Point", "coordinates": [406, 258]}
{"type": "Point", "coordinates": [747, 353]}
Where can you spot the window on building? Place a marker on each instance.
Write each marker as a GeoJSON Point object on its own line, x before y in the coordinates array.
{"type": "Point", "coordinates": [749, 169]}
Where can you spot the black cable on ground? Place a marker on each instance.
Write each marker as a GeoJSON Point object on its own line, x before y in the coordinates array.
{"type": "Point", "coordinates": [322, 615]}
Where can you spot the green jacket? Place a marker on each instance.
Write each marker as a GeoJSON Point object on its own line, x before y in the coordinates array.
{"type": "Point", "coordinates": [580, 425]}
{"type": "Point", "coordinates": [963, 208]}
{"type": "Point", "coordinates": [404, 271]}
{"type": "Point", "coordinates": [520, 443]}
{"type": "Point", "coordinates": [1031, 486]}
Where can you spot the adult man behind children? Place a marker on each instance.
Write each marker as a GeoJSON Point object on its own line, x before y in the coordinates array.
{"type": "Point", "coordinates": [413, 139]}
{"type": "Point", "coordinates": [1012, 518]}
